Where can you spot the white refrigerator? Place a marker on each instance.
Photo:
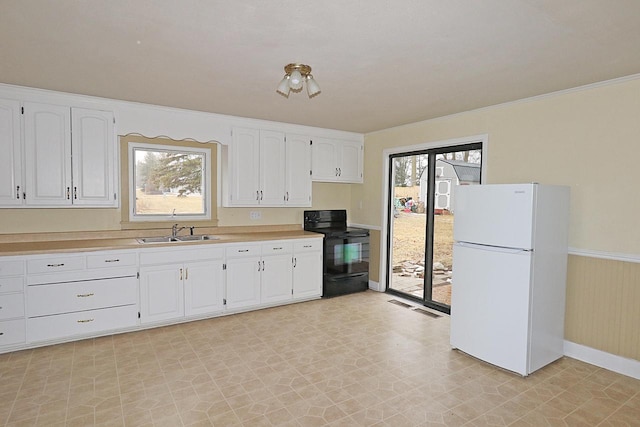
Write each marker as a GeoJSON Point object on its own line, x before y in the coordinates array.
{"type": "Point", "coordinates": [509, 274]}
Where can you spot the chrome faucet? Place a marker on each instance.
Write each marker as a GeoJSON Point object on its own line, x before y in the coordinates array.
{"type": "Point", "coordinates": [175, 230]}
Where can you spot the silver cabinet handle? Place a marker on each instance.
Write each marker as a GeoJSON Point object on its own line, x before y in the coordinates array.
{"type": "Point", "coordinates": [295, 262]}
{"type": "Point", "coordinates": [257, 195]}
{"type": "Point", "coordinates": [55, 265]}
{"type": "Point", "coordinates": [112, 260]}
{"type": "Point", "coordinates": [75, 192]}
{"type": "Point", "coordinates": [85, 321]}
{"type": "Point", "coordinates": [84, 295]}
{"type": "Point", "coordinates": [336, 171]}
{"type": "Point", "coordinates": [186, 274]}
{"type": "Point", "coordinates": [262, 265]}
{"type": "Point", "coordinates": [259, 266]}
{"type": "Point", "coordinates": [243, 250]}
{"type": "Point", "coordinates": [180, 274]}
{"type": "Point", "coordinates": [260, 194]}
{"type": "Point", "coordinates": [307, 246]}
{"type": "Point", "coordinates": [68, 191]}
{"type": "Point", "coordinates": [18, 192]}
{"type": "Point", "coordinates": [339, 171]}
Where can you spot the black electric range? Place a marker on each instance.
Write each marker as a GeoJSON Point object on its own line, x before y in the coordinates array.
{"type": "Point", "coordinates": [346, 252]}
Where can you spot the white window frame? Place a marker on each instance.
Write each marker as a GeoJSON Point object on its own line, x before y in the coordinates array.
{"type": "Point", "coordinates": [206, 176]}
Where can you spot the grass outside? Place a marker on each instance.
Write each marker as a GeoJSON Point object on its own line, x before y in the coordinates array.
{"type": "Point", "coordinates": [165, 203]}
{"type": "Point", "coordinates": [409, 238]}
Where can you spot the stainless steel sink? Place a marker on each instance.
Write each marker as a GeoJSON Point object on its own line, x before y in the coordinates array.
{"type": "Point", "coordinates": [197, 238]}
{"type": "Point", "coordinates": [163, 239]}
{"type": "Point", "coordinates": [168, 239]}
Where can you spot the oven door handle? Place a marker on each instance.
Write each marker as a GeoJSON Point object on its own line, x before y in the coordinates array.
{"type": "Point", "coordinates": [347, 236]}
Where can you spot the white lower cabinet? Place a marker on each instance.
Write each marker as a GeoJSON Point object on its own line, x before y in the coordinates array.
{"type": "Point", "coordinates": [190, 284]}
{"type": "Point", "coordinates": [307, 268]}
{"type": "Point", "coordinates": [243, 267]}
{"type": "Point", "coordinates": [61, 297]}
{"type": "Point", "coordinates": [12, 316]}
{"type": "Point", "coordinates": [161, 293]}
{"type": "Point", "coordinates": [277, 272]}
{"type": "Point", "coordinates": [203, 286]}
{"type": "Point", "coordinates": [273, 272]}
{"type": "Point", "coordinates": [67, 299]}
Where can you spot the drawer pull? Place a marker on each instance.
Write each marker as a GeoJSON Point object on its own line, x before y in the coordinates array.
{"type": "Point", "coordinates": [55, 265]}
{"type": "Point", "coordinates": [277, 249]}
{"type": "Point", "coordinates": [307, 246]}
{"type": "Point", "coordinates": [1, 333]}
{"type": "Point", "coordinates": [243, 250]}
{"type": "Point", "coordinates": [85, 321]}
{"type": "Point", "coordinates": [84, 295]}
{"type": "Point", "coordinates": [112, 260]}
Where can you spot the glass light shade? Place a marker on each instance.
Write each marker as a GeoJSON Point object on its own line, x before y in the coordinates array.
{"type": "Point", "coordinates": [283, 87]}
{"type": "Point", "coordinates": [312, 87]}
{"type": "Point", "coordinates": [295, 80]}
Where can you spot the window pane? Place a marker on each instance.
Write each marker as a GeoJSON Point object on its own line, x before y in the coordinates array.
{"type": "Point", "coordinates": [169, 182]}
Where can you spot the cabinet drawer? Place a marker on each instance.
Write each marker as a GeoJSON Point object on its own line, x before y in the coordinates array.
{"type": "Point", "coordinates": [83, 323]}
{"type": "Point", "coordinates": [308, 246]}
{"type": "Point", "coordinates": [12, 332]}
{"type": "Point", "coordinates": [78, 296]}
{"type": "Point", "coordinates": [277, 248]}
{"type": "Point", "coordinates": [11, 268]}
{"type": "Point", "coordinates": [54, 265]}
{"type": "Point", "coordinates": [112, 260]}
{"type": "Point", "coordinates": [11, 305]}
{"type": "Point", "coordinates": [242, 251]}
{"type": "Point", "coordinates": [11, 284]}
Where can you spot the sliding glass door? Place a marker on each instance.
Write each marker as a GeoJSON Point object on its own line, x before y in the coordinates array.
{"type": "Point", "coordinates": [422, 211]}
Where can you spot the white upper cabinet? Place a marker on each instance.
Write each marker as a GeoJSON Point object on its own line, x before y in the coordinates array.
{"type": "Point", "coordinates": [244, 167]}
{"type": "Point", "coordinates": [69, 156]}
{"type": "Point", "coordinates": [93, 146]}
{"type": "Point", "coordinates": [337, 160]}
{"type": "Point", "coordinates": [267, 168]}
{"type": "Point", "coordinates": [272, 168]}
{"type": "Point", "coordinates": [47, 154]}
{"type": "Point", "coordinates": [11, 187]}
{"type": "Point", "coordinates": [298, 171]}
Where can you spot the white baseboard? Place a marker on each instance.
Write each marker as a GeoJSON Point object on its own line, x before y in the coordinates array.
{"type": "Point", "coordinates": [612, 362]}
{"type": "Point", "coordinates": [375, 286]}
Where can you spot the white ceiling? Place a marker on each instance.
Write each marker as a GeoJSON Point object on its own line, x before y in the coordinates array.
{"type": "Point", "coordinates": [380, 63]}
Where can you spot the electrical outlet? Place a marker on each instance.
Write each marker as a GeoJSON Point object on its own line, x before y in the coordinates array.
{"type": "Point", "coordinates": [255, 215]}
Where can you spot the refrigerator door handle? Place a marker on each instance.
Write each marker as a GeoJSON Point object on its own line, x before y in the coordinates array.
{"type": "Point", "coordinates": [492, 248]}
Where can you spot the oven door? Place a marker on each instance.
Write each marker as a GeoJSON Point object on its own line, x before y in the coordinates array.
{"type": "Point", "coordinates": [346, 254]}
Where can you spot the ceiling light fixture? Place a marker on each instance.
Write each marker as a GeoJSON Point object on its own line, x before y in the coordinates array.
{"type": "Point", "coordinates": [295, 75]}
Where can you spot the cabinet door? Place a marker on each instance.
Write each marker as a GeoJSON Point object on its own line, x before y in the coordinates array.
{"type": "Point", "coordinates": [324, 155]}
{"type": "Point", "coordinates": [272, 168]}
{"type": "Point", "coordinates": [161, 293]}
{"type": "Point", "coordinates": [93, 146]}
{"type": "Point", "coordinates": [350, 167]}
{"type": "Point", "coordinates": [245, 167]}
{"type": "Point", "coordinates": [203, 285]}
{"type": "Point", "coordinates": [307, 274]}
{"type": "Point", "coordinates": [298, 171]}
{"type": "Point", "coordinates": [47, 143]}
{"type": "Point", "coordinates": [243, 282]}
{"type": "Point", "coordinates": [11, 187]}
{"type": "Point", "coordinates": [276, 278]}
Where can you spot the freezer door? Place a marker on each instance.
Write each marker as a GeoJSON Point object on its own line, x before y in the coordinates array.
{"type": "Point", "coordinates": [496, 215]}
{"type": "Point", "coordinates": [490, 305]}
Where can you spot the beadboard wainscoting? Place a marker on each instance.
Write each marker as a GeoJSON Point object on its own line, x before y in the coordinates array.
{"type": "Point", "coordinates": [603, 304]}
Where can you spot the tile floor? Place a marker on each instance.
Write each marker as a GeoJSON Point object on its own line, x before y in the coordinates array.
{"type": "Point", "coordinates": [355, 360]}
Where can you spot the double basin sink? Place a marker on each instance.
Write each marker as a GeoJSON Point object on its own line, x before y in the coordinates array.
{"type": "Point", "coordinates": [168, 239]}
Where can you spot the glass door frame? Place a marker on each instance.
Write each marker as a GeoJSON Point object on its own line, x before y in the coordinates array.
{"type": "Point", "coordinates": [427, 283]}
